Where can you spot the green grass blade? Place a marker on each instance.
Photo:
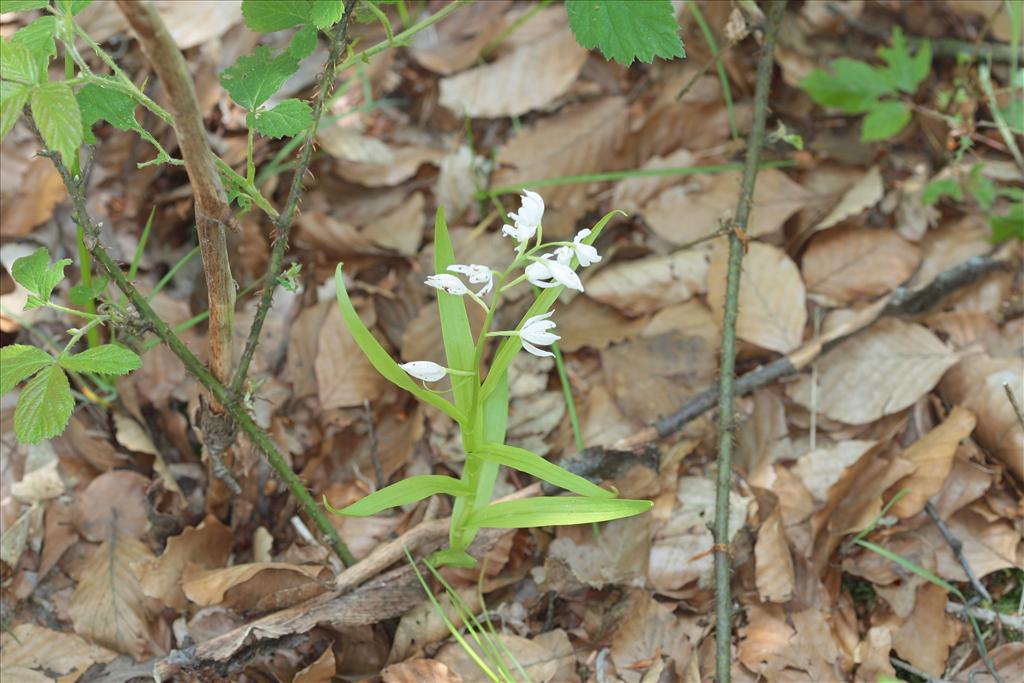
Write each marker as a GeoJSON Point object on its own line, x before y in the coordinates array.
{"type": "Point", "coordinates": [379, 358]}
{"type": "Point", "coordinates": [400, 493]}
{"type": "Point", "coordinates": [137, 257]}
{"type": "Point", "coordinates": [723, 79]}
{"type": "Point", "coordinates": [911, 567]}
{"type": "Point", "coordinates": [534, 465]}
{"type": "Point", "coordinates": [871, 527]}
{"type": "Point", "coordinates": [458, 338]}
{"type": "Point", "coordinates": [554, 511]}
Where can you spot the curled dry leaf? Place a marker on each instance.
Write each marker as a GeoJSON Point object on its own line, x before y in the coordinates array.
{"type": "Point", "coordinates": [29, 646]}
{"type": "Point", "coordinates": [254, 586]}
{"type": "Point", "coordinates": [204, 547]}
{"type": "Point", "coordinates": [843, 265]}
{"type": "Point", "coordinates": [552, 58]}
{"type": "Point", "coordinates": [420, 671]}
{"type": "Point", "coordinates": [422, 626]}
{"type": "Point", "coordinates": [926, 637]}
{"type": "Point", "coordinates": [588, 323]}
{"type": "Point", "coordinates": [768, 644]}
{"type": "Point", "coordinates": [401, 229]}
{"type": "Point", "coordinates": [774, 564]}
{"type": "Point", "coordinates": [879, 372]}
{"type": "Point", "coordinates": [632, 193]}
{"type": "Point", "coordinates": [648, 284]}
{"type": "Point", "coordinates": [649, 630]}
{"type": "Point", "coordinates": [107, 606]}
{"type": "Point", "coordinates": [320, 671]}
{"type": "Point", "coordinates": [456, 43]}
{"type": "Point", "coordinates": [821, 468]}
{"type": "Point", "coordinates": [864, 194]}
{"type": "Point", "coordinates": [772, 312]}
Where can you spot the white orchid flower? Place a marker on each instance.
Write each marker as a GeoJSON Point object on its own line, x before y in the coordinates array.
{"type": "Point", "coordinates": [586, 253]}
{"type": "Point", "coordinates": [477, 274]}
{"type": "Point", "coordinates": [535, 331]}
{"type": "Point", "coordinates": [545, 272]}
{"type": "Point", "coordinates": [447, 283]}
{"type": "Point", "coordinates": [528, 220]}
{"type": "Point", "coordinates": [425, 370]}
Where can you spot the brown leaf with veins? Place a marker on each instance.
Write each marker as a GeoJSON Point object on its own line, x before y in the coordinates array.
{"type": "Point", "coordinates": [843, 265]}
{"type": "Point", "coordinates": [115, 500]}
{"type": "Point", "coordinates": [320, 671]}
{"type": "Point", "coordinates": [649, 284]}
{"type": "Point", "coordinates": [420, 671]}
{"type": "Point", "coordinates": [648, 630]}
{"type": "Point", "coordinates": [932, 457]}
{"type": "Point", "coordinates": [255, 586]}
{"type": "Point", "coordinates": [204, 547]}
{"type": "Point", "coordinates": [926, 637]}
{"type": "Point", "coordinates": [33, 647]}
{"type": "Point", "coordinates": [774, 565]}
{"type": "Point", "coordinates": [344, 375]}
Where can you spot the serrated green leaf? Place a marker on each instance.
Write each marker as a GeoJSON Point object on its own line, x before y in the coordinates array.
{"type": "Point", "coordinates": [524, 461]}
{"type": "Point", "coordinates": [254, 78]}
{"type": "Point", "coordinates": [379, 358]}
{"type": "Point", "coordinates": [23, 5]}
{"type": "Point", "coordinates": [884, 120]}
{"type": "Point", "coordinates": [624, 31]}
{"type": "Point", "coordinates": [288, 118]}
{"type": "Point", "coordinates": [106, 359]}
{"type": "Point", "coordinates": [55, 111]}
{"type": "Point", "coordinates": [80, 295]}
{"type": "Point", "coordinates": [19, 361]}
{"type": "Point", "coordinates": [937, 189]}
{"type": "Point", "coordinates": [34, 273]}
{"type": "Point", "coordinates": [303, 42]}
{"type": "Point", "coordinates": [273, 15]}
{"type": "Point", "coordinates": [326, 13]}
{"type": "Point", "coordinates": [555, 511]}
{"type": "Point", "coordinates": [1009, 226]}
{"type": "Point", "coordinates": [79, 5]}
{"type": "Point", "coordinates": [906, 72]}
{"type": "Point", "coordinates": [13, 98]}
{"type": "Point", "coordinates": [981, 188]}
{"type": "Point", "coordinates": [44, 406]}
{"type": "Point", "coordinates": [455, 331]}
{"type": "Point", "coordinates": [852, 86]}
{"type": "Point", "coordinates": [37, 37]}
{"type": "Point", "coordinates": [401, 493]}
{"type": "Point", "coordinates": [98, 103]}
{"type": "Point", "coordinates": [17, 64]}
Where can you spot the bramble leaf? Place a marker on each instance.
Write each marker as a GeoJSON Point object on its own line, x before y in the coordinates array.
{"type": "Point", "coordinates": [289, 118]}
{"type": "Point", "coordinates": [106, 359]}
{"type": "Point", "coordinates": [326, 13]}
{"type": "Point", "coordinates": [852, 86]}
{"type": "Point", "coordinates": [1009, 226]}
{"type": "Point", "coordinates": [906, 72]}
{"type": "Point", "coordinates": [17, 64]}
{"type": "Point", "coordinates": [555, 511]}
{"type": "Point", "coordinates": [19, 361]}
{"type": "Point", "coordinates": [24, 5]}
{"type": "Point", "coordinates": [55, 111]}
{"type": "Point", "coordinates": [254, 78]}
{"type": "Point", "coordinates": [34, 273]}
{"type": "Point", "coordinates": [624, 31]}
{"type": "Point", "coordinates": [37, 37]}
{"type": "Point", "coordinates": [44, 406]}
{"type": "Point", "coordinates": [884, 120]}
{"type": "Point", "coordinates": [98, 103]}
{"type": "Point", "coordinates": [266, 15]}
{"type": "Point", "coordinates": [13, 98]}
{"type": "Point", "coordinates": [937, 189]}
{"type": "Point", "coordinates": [303, 42]}
{"type": "Point", "coordinates": [400, 493]}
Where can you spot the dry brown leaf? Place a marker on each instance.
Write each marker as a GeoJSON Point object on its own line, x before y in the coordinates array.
{"type": "Point", "coordinates": [976, 383]}
{"type": "Point", "coordinates": [617, 556]}
{"type": "Point", "coordinates": [772, 310]}
{"type": "Point", "coordinates": [31, 202]}
{"type": "Point", "coordinates": [932, 457]}
{"type": "Point", "coordinates": [257, 585]}
{"type": "Point", "coordinates": [420, 671]}
{"type": "Point", "coordinates": [632, 193]}
{"type": "Point", "coordinates": [988, 546]}
{"type": "Point", "coordinates": [43, 482]}
{"type": "Point", "coordinates": [59, 535]}
{"type": "Point", "coordinates": [320, 671]}
{"type": "Point", "coordinates": [879, 372]}
{"type": "Point", "coordinates": [926, 636]}
{"type": "Point", "coordinates": [133, 437]}
{"type": "Point", "coordinates": [873, 654]}
{"type": "Point", "coordinates": [821, 468]}
{"type": "Point", "coordinates": [842, 266]}
{"type": "Point", "coordinates": [552, 59]}
{"type": "Point", "coordinates": [190, 23]}
{"type": "Point", "coordinates": [864, 194]}
{"type": "Point", "coordinates": [534, 658]}
{"type": "Point", "coordinates": [774, 565]}
{"type": "Point", "coordinates": [396, 166]}
{"type": "Point", "coordinates": [423, 626]}
{"type": "Point", "coordinates": [587, 323]}
{"type": "Point", "coordinates": [401, 229]}
{"type": "Point", "coordinates": [107, 606]}
{"type": "Point", "coordinates": [648, 630]}
{"type": "Point", "coordinates": [458, 176]}
{"type": "Point", "coordinates": [456, 44]}
{"type": "Point", "coordinates": [580, 139]}
{"type": "Point", "coordinates": [816, 634]}
{"type": "Point", "coordinates": [688, 212]}
{"type": "Point", "coordinates": [33, 647]}
{"type": "Point", "coordinates": [648, 284]}
{"type": "Point", "coordinates": [205, 547]}
{"type": "Point", "coordinates": [1008, 659]}
{"type": "Point", "coordinates": [763, 438]}
{"type": "Point", "coordinates": [768, 644]}
{"type": "Point", "coordinates": [113, 500]}
{"type": "Point", "coordinates": [344, 375]}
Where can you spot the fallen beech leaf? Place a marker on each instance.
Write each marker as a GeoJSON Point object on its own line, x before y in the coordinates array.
{"type": "Point", "coordinates": [873, 654]}
{"type": "Point", "coordinates": [34, 647]}
{"type": "Point", "coordinates": [456, 44]}
{"type": "Point", "coordinates": [320, 671]}
{"type": "Point", "coordinates": [587, 323]}
{"type": "Point", "coordinates": [206, 546]}
{"type": "Point", "coordinates": [988, 546]}
{"type": "Point", "coordinates": [14, 539]}
{"type": "Point", "coordinates": [774, 565]}
{"type": "Point", "coordinates": [458, 175]}
{"type": "Point", "coordinates": [864, 194]}
{"type": "Point", "coordinates": [390, 168]}
{"type": "Point", "coordinates": [816, 634]}
{"type": "Point", "coordinates": [31, 200]}
{"type": "Point", "coordinates": [932, 457]}
{"type": "Point", "coordinates": [648, 284]}
{"type": "Point", "coordinates": [821, 468]}
{"type": "Point", "coordinates": [580, 139]}
{"type": "Point", "coordinates": [926, 637]}
{"type": "Point", "coordinates": [534, 658]}
{"type": "Point", "coordinates": [632, 193]}
{"type": "Point", "coordinates": [685, 213]}
{"type": "Point", "coordinates": [257, 585]}
{"type": "Point", "coordinates": [189, 23]}
{"type": "Point", "coordinates": [42, 483]}
{"type": "Point", "coordinates": [553, 59]}
{"type": "Point", "coordinates": [115, 500]}
{"type": "Point", "coordinates": [843, 265]}
{"type": "Point", "coordinates": [420, 671]}
{"type": "Point", "coordinates": [344, 375]}
{"type": "Point", "coordinates": [768, 644]}
{"type": "Point", "coordinates": [618, 556]}
{"type": "Point", "coordinates": [649, 630]}
{"type": "Point", "coordinates": [1008, 659]}
{"type": "Point", "coordinates": [422, 626]}
{"type": "Point", "coordinates": [879, 372]}
{"type": "Point", "coordinates": [107, 606]}
{"type": "Point", "coordinates": [772, 313]}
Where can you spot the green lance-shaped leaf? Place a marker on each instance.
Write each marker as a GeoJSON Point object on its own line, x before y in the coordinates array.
{"type": "Point", "coordinates": [107, 359]}
{"type": "Point", "coordinates": [44, 406]}
{"type": "Point", "coordinates": [55, 111]}
{"type": "Point", "coordinates": [34, 273]}
{"type": "Point", "coordinates": [458, 338]}
{"type": "Point", "coordinates": [534, 465]}
{"type": "Point", "coordinates": [400, 493]}
{"type": "Point", "coordinates": [265, 16]}
{"type": "Point", "coordinates": [624, 31]}
{"type": "Point", "coordinates": [18, 361]}
{"type": "Point", "coordinates": [509, 347]}
{"type": "Point", "coordinates": [555, 511]}
{"type": "Point", "coordinates": [379, 358]}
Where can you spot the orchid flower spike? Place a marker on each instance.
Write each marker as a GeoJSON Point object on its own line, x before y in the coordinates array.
{"type": "Point", "coordinates": [535, 331]}
{"type": "Point", "coordinates": [545, 272]}
{"type": "Point", "coordinates": [477, 274]}
{"type": "Point", "coordinates": [586, 253]}
{"type": "Point", "coordinates": [447, 283]}
{"type": "Point", "coordinates": [527, 221]}
{"type": "Point", "coordinates": [425, 370]}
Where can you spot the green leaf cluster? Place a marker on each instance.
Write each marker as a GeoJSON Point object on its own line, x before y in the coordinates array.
{"type": "Point", "coordinates": [1005, 226]}
{"type": "Point", "coordinates": [856, 87]}
{"type": "Point", "coordinates": [626, 31]}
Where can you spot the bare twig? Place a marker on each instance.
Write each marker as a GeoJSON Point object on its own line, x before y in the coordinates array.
{"type": "Point", "coordinates": [727, 363]}
{"type": "Point", "coordinates": [1015, 622]}
{"type": "Point", "coordinates": [284, 221]}
{"type": "Point", "coordinates": [958, 551]}
{"type": "Point", "coordinates": [1014, 403]}
{"type": "Point", "coordinates": [909, 668]}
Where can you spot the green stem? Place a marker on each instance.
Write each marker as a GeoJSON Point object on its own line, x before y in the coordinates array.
{"type": "Point", "coordinates": [85, 269]}
{"type": "Point", "coordinates": [250, 165]}
{"type": "Point", "coordinates": [570, 404]}
{"type": "Point", "coordinates": [71, 311]}
{"type": "Point", "coordinates": [723, 79]}
{"type": "Point", "coordinates": [89, 327]}
{"type": "Point", "coordinates": [727, 369]}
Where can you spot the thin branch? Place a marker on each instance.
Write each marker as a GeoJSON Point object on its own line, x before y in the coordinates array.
{"type": "Point", "coordinates": [283, 224]}
{"type": "Point", "coordinates": [219, 392]}
{"type": "Point", "coordinates": [986, 615]}
{"type": "Point", "coordinates": [958, 551]}
{"type": "Point", "coordinates": [211, 205]}
{"type": "Point", "coordinates": [727, 363]}
{"type": "Point", "coordinates": [910, 669]}
{"type": "Point", "coordinates": [1015, 403]}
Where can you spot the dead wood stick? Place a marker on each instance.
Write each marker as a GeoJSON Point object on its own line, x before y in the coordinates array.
{"type": "Point", "coordinates": [1016, 622]}
{"type": "Point", "coordinates": [957, 546]}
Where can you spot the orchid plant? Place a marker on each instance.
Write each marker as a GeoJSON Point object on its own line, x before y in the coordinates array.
{"type": "Point", "coordinates": [479, 402]}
